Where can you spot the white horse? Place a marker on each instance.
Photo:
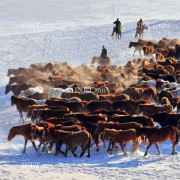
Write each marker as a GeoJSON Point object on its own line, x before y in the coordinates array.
{"type": "Point", "coordinates": [100, 61]}
{"type": "Point", "coordinates": [140, 32]}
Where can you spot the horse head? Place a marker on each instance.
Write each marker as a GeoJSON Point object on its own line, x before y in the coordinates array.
{"type": "Point", "coordinates": [12, 134]}
{"type": "Point", "coordinates": [8, 89]}
{"type": "Point", "coordinates": [93, 60]}
{"type": "Point", "coordinates": [130, 44]}
{"type": "Point", "coordinates": [145, 26]}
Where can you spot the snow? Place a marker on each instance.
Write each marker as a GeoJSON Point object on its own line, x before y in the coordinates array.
{"type": "Point", "coordinates": [76, 33]}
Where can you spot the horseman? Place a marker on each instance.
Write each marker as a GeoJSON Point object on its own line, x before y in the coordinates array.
{"type": "Point", "coordinates": [104, 53]}
{"type": "Point", "coordinates": [140, 24]}
{"type": "Point", "coordinates": [118, 25]}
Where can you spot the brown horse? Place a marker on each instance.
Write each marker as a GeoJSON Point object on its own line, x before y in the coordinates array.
{"type": "Point", "coordinates": [113, 125]}
{"type": "Point", "coordinates": [75, 139]}
{"type": "Point", "coordinates": [121, 137]}
{"type": "Point", "coordinates": [25, 131]}
{"type": "Point", "coordinates": [156, 135]}
{"type": "Point", "coordinates": [74, 128]}
{"type": "Point", "coordinates": [22, 105]}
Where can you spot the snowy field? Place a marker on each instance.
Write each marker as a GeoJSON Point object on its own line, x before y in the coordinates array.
{"type": "Point", "coordinates": [75, 34]}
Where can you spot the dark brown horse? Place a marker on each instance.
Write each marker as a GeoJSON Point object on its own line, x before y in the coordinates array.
{"type": "Point", "coordinates": [156, 135]}
{"type": "Point", "coordinates": [22, 105]}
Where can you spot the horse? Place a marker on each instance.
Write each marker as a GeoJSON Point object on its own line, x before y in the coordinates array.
{"type": "Point", "coordinates": [22, 105]}
{"type": "Point", "coordinates": [117, 31]}
{"type": "Point", "coordinates": [74, 139]}
{"type": "Point", "coordinates": [140, 32]}
{"type": "Point", "coordinates": [101, 62]}
{"type": "Point", "coordinates": [113, 125]}
{"type": "Point", "coordinates": [155, 135]}
{"type": "Point", "coordinates": [25, 131]}
{"type": "Point", "coordinates": [121, 137]}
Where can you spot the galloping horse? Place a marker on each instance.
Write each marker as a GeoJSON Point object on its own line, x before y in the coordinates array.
{"type": "Point", "coordinates": [140, 32]}
{"type": "Point", "coordinates": [100, 61]}
{"type": "Point", "coordinates": [117, 31]}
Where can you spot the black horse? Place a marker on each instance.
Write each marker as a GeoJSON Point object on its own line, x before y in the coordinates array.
{"type": "Point", "coordinates": [117, 32]}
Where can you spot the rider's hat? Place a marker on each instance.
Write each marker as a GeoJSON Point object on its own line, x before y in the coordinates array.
{"type": "Point", "coordinates": [117, 19]}
{"type": "Point", "coordinates": [103, 46]}
{"type": "Point", "coordinates": [140, 19]}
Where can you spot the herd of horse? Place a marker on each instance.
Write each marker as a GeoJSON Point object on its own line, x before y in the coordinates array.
{"type": "Point", "coordinates": [84, 105]}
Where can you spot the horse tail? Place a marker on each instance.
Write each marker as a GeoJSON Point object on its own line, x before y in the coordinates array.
{"type": "Point", "coordinates": [177, 137]}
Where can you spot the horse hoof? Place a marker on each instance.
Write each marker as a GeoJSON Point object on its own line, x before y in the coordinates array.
{"type": "Point", "coordinates": [62, 152]}
{"type": "Point", "coordinates": [145, 154]}
{"type": "Point", "coordinates": [97, 149]}
{"type": "Point", "coordinates": [88, 156]}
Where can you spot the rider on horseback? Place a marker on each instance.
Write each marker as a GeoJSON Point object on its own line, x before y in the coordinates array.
{"type": "Point", "coordinates": [104, 53]}
{"type": "Point", "coordinates": [118, 24]}
{"type": "Point", "coordinates": [140, 24]}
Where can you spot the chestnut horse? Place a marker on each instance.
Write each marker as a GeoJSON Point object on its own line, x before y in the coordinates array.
{"type": "Point", "coordinates": [156, 135]}
{"type": "Point", "coordinates": [22, 105]}
{"type": "Point", "coordinates": [121, 137]}
{"type": "Point", "coordinates": [74, 139]}
{"type": "Point", "coordinates": [25, 131]}
{"type": "Point", "coordinates": [113, 125]}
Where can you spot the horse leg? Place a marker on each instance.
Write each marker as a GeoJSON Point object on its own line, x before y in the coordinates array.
{"type": "Point", "coordinates": [73, 151]}
{"type": "Point", "coordinates": [66, 152]}
{"type": "Point", "coordinates": [135, 145]}
{"type": "Point", "coordinates": [60, 145]}
{"type": "Point", "coordinates": [134, 51]}
{"type": "Point", "coordinates": [21, 115]}
{"type": "Point", "coordinates": [89, 150]}
{"type": "Point", "coordinates": [34, 145]}
{"type": "Point", "coordinates": [112, 34]}
{"type": "Point", "coordinates": [174, 147]}
{"type": "Point", "coordinates": [140, 53]}
{"type": "Point", "coordinates": [150, 144]}
{"type": "Point", "coordinates": [109, 146]}
{"type": "Point", "coordinates": [51, 145]}
{"type": "Point", "coordinates": [114, 144]}
{"type": "Point", "coordinates": [97, 141]}
{"type": "Point", "coordinates": [57, 148]}
{"type": "Point", "coordinates": [122, 147]}
{"type": "Point", "coordinates": [39, 146]}
{"type": "Point", "coordinates": [83, 151]}
{"type": "Point", "coordinates": [44, 144]}
{"type": "Point", "coordinates": [25, 144]}
{"type": "Point", "coordinates": [157, 147]}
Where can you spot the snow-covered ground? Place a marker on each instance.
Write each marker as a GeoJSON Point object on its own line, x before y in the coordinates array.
{"type": "Point", "coordinates": [76, 33]}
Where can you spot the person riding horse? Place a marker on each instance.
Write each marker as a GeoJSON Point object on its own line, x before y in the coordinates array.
{"type": "Point", "coordinates": [117, 29]}
{"type": "Point", "coordinates": [104, 53]}
{"type": "Point", "coordinates": [118, 25]}
{"type": "Point", "coordinates": [140, 29]}
{"type": "Point", "coordinates": [140, 24]}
